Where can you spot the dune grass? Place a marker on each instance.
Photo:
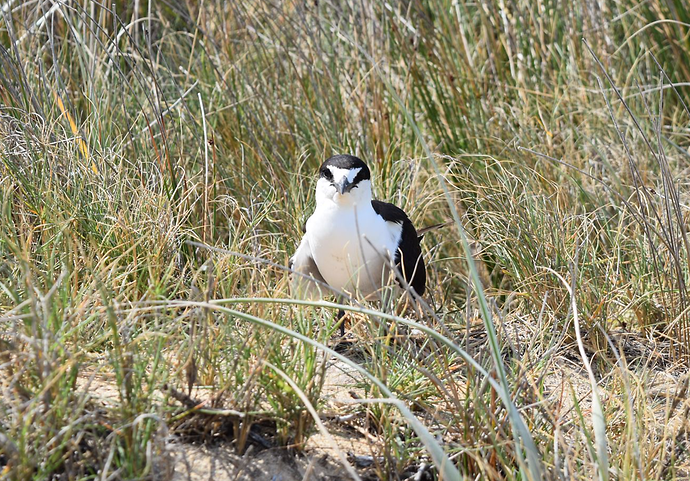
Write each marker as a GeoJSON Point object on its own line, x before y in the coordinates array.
{"type": "Point", "coordinates": [157, 163]}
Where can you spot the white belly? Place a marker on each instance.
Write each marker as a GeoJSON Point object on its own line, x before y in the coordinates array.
{"type": "Point", "coordinates": [352, 255]}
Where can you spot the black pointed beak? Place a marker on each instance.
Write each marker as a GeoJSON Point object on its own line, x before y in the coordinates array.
{"type": "Point", "coordinates": [343, 186]}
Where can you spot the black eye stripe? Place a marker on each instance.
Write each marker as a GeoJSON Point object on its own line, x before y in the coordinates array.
{"type": "Point", "coordinates": [346, 162]}
{"type": "Point", "coordinates": [361, 175]}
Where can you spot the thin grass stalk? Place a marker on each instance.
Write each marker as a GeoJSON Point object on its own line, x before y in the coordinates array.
{"type": "Point", "coordinates": [630, 412]}
{"type": "Point", "coordinates": [598, 418]}
{"type": "Point", "coordinates": [315, 415]}
{"type": "Point", "coordinates": [206, 214]}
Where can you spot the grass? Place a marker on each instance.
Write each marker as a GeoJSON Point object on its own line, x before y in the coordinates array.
{"type": "Point", "coordinates": [157, 164]}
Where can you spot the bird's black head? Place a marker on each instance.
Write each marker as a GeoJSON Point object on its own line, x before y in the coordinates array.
{"type": "Point", "coordinates": [344, 172]}
{"type": "Point", "coordinates": [345, 161]}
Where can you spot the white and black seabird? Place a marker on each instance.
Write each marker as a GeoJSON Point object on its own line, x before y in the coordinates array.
{"type": "Point", "coordinates": [350, 238]}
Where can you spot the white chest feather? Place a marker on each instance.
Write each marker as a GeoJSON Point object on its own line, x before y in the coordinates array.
{"type": "Point", "coordinates": [352, 245]}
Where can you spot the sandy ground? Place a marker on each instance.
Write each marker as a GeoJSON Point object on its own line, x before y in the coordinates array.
{"type": "Point", "coordinates": [199, 463]}
{"type": "Point", "coordinates": [348, 444]}
{"type": "Point", "coordinates": [319, 461]}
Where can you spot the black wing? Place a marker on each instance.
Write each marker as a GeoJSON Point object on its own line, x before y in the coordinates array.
{"type": "Point", "coordinates": [408, 258]}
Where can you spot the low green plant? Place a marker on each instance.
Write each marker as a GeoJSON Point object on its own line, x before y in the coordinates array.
{"type": "Point", "coordinates": [157, 162]}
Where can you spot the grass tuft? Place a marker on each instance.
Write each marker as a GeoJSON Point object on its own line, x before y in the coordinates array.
{"type": "Point", "coordinates": [156, 167]}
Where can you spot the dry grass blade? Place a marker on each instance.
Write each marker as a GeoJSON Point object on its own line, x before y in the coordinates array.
{"type": "Point", "coordinates": [598, 418]}
{"type": "Point", "coordinates": [143, 287]}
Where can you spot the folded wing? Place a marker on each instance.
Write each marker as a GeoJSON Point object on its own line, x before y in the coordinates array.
{"type": "Point", "coordinates": [408, 257]}
{"type": "Point", "coordinates": [302, 262]}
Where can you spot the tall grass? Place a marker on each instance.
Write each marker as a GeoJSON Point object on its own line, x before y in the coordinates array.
{"type": "Point", "coordinates": [130, 137]}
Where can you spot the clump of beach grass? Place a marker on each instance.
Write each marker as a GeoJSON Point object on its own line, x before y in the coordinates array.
{"type": "Point", "coordinates": [156, 165]}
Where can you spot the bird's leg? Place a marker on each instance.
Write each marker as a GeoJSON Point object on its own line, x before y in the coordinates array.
{"type": "Point", "coordinates": [340, 318]}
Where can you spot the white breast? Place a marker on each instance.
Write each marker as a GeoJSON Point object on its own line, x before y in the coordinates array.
{"type": "Point", "coordinates": [351, 246]}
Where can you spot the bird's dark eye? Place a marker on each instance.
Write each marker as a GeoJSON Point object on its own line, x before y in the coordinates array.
{"type": "Point", "coordinates": [327, 174]}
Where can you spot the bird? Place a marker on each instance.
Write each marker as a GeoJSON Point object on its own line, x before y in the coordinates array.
{"type": "Point", "coordinates": [351, 239]}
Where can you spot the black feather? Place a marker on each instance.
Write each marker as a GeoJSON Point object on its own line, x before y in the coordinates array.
{"type": "Point", "coordinates": [345, 161]}
{"type": "Point", "coordinates": [408, 258]}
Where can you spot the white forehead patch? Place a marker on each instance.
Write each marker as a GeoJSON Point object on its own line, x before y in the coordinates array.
{"type": "Point", "coordinates": [339, 173]}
